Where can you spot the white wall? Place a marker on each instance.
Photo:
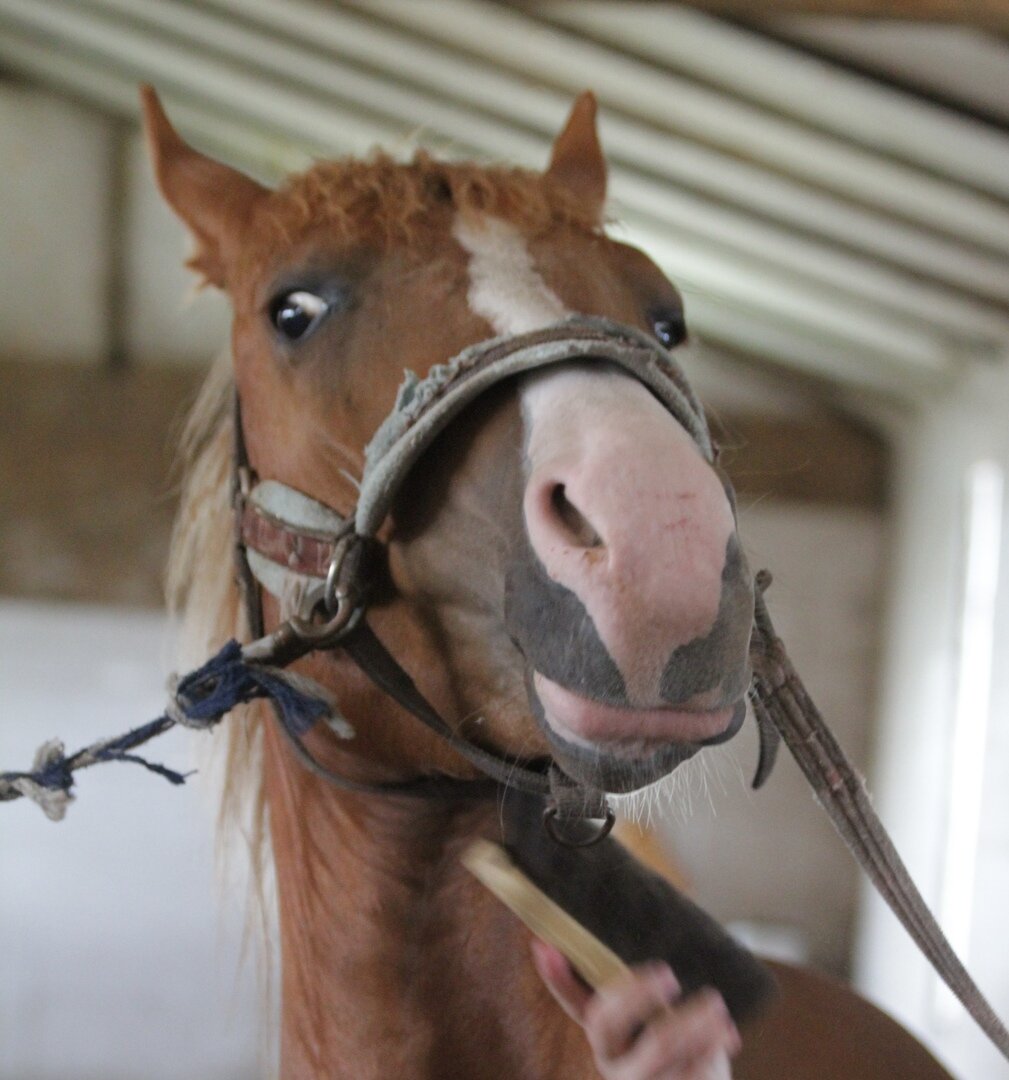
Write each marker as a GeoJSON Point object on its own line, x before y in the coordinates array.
{"type": "Point", "coordinates": [918, 704]}
{"type": "Point", "coordinates": [118, 963]}
{"type": "Point", "coordinates": [168, 320]}
{"type": "Point", "coordinates": [56, 210]}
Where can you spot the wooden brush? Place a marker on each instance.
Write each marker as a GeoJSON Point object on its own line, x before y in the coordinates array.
{"type": "Point", "coordinates": [595, 962]}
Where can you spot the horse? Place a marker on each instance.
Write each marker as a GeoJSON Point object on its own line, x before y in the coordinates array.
{"type": "Point", "coordinates": [560, 575]}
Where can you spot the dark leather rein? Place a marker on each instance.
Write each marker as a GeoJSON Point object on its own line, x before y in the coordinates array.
{"type": "Point", "coordinates": [318, 563]}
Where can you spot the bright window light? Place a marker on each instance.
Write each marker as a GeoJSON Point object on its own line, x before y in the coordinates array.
{"type": "Point", "coordinates": [983, 536]}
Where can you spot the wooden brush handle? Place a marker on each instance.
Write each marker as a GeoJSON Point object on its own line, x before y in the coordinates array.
{"type": "Point", "coordinates": [595, 963]}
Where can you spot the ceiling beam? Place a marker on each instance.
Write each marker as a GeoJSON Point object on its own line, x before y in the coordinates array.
{"type": "Point", "coordinates": [823, 95]}
{"type": "Point", "coordinates": [332, 82]}
{"type": "Point", "coordinates": [976, 12]}
{"type": "Point", "coordinates": [321, 116]}
{"type": "Point", "coordinates": [818, 222]}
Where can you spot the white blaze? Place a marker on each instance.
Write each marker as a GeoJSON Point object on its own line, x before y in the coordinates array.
{"type": "Point", "coordinates": [505, 287]}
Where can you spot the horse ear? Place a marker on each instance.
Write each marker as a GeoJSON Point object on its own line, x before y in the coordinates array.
{"type": "Point", "coordinates": [577, 160]}
{"type": "Point", "coordinates": [213, 200]}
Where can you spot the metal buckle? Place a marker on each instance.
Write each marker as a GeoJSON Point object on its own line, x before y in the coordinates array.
{"type": "Point", "coordinates": [552, 826]}
{"type": "Point", "coordinates": [337, 600]}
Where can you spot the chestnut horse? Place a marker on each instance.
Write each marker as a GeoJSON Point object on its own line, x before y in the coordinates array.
{"type": "Point", "coordinates": [563, 581]}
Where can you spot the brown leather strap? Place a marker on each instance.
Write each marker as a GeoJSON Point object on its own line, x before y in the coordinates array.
{"type": "Point", "coordinates": [295, 549]}
{"type": "Point", "coordinates": [375, 660]}
{"type": "Point", "coordinates": [780, 699]}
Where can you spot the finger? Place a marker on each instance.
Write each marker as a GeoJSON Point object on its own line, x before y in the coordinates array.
{"type": "Point", "coordinates": [620, 1010]}
{"type": "Point", "coordinates": [690, 1036]}
{"type": "Point", "coordinates": [713, 1069]}
{"type": "Point", "coordinates": [716, 1067]}
{"type": "Point", "coordinates": [570, 992]}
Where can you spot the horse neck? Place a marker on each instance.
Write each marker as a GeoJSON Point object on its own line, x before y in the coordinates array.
{"type": "Point", "coordinates": [395, 961]}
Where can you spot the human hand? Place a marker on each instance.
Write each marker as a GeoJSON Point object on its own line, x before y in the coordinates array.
{"type": "Point", "coordinates": [639, 1027]}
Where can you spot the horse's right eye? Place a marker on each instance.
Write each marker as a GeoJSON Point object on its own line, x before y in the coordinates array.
{"type": "Point", "coordinates": [296, 314]}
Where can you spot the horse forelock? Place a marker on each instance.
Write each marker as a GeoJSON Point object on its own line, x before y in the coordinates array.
{"type": "Point", "coordinates": [381, 201]}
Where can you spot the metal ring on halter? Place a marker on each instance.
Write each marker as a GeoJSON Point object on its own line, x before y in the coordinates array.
{"type": "Point", "coordinates": [322, 634]}
{"type": "Point", "coordinates": [604, 829]}
{"type": "Point", "coordinates": [340, 602]}
{"type": "Point", "coordinates": [333, 595]}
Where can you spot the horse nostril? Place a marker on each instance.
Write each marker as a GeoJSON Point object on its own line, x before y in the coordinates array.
{"type": "Point", "coordinates": [575, 523]}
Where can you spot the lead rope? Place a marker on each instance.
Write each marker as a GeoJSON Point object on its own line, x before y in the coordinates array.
{"type": "Point", "coordinates": [200, 700]}
{"type": "Point", "coordinates": [781, 702]}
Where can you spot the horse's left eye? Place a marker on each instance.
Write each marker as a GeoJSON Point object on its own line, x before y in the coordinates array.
{"type": "Point", "coordinates": [670, 328]}
{"type": "Point", "coordinates": [295, 314]}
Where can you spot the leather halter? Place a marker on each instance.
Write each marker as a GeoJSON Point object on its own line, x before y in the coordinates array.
{"type": "Point", "coordinates": [316, 561]}
{"type": "Point", "coordinates": [303, 551]}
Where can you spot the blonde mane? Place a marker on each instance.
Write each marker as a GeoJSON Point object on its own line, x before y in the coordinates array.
{"type": "Point", "coordinates": [204, 604]}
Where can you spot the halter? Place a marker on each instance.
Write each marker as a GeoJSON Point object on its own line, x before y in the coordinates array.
{"type": "Point", "coordinates": [318, 563]}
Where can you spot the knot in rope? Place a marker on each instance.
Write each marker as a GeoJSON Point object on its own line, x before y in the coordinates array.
{"type": "Point", "coordinates": [48, 782]}
{"type": "Point", "coordinates": [202, 698]}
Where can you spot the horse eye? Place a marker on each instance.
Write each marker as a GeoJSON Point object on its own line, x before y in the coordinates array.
{"type": "Point", "coordinates": [670, 329]}
{"type": "Point", "coordinates": [296, 313]}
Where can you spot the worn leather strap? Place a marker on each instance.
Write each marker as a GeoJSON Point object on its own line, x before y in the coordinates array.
{"type": "Point", "coordinates": [287, 546]}
{"type": "Point", "coordinates": [781, 701]}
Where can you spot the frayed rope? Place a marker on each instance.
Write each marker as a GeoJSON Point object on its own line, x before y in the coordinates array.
{"type": "Point", "coordinates": [199, 700]}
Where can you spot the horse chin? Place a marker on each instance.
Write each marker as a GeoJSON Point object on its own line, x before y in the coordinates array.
{"type": "Point", "coordinates": [622, 750]}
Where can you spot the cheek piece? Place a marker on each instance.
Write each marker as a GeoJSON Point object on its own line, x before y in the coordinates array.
{"type": "Point", "coordinates": [318, 564]}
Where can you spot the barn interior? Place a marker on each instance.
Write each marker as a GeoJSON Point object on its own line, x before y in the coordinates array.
{"type": "Point", "coordinates": [826, 181]}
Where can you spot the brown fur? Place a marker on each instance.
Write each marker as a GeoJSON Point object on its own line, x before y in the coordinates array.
{"type": "Point", "coordinates": [379, 201]}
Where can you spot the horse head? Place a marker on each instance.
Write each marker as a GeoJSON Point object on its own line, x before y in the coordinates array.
{"type": "Point", "coordinates": [563, 576]}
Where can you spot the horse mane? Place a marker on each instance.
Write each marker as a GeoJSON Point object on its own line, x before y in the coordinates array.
{"type": "Point", "coordinates": [204, 604]}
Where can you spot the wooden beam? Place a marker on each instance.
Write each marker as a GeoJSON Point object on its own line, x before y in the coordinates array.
{"type": "Point", "coordinates": [86, 500]}
{"type": "Point", "coordinates": [87, 496]}
{"type": "Point", "coordinates": [826, 459]}
{"type": "Point", "coordinates": [976, 12]}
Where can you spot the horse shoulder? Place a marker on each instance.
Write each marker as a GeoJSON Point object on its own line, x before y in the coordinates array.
{"type": "Point", "coordinates": [821, 1029]}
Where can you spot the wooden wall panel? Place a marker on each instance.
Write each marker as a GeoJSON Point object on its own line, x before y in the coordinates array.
{"type": "Point", "coordinates": [85, 492]}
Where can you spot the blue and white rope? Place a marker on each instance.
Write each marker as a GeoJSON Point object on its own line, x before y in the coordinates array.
{"type": "Point", "coordinates": [199, 700]}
